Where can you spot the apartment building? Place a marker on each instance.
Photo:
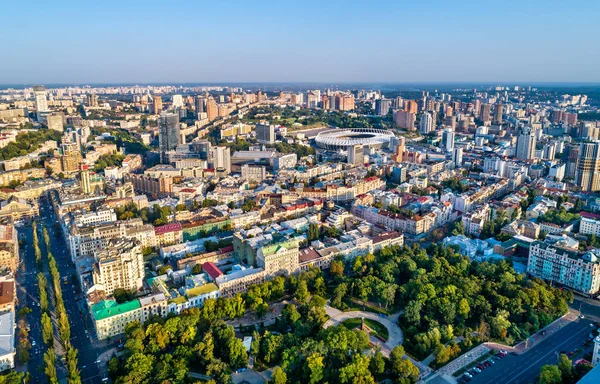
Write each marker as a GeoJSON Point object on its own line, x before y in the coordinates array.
{"type": "Point", "coordinates": [572, 269]}
{"type": "Point", "coordinates": [119, 265]}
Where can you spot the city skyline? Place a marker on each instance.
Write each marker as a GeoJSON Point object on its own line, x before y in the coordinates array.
{"type": "Point", "coordinates": [337, 42]}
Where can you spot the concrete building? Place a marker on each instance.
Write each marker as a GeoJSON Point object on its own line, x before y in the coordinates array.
{"type": "Point", "coordinates": [119, 265]}
{"type": "Point", "coordinates": [222, 159]}
{"type": "Point", "coordinates": [168, 133]}
{"type": "Point", "coordinates": [580, 272]}
{"type": "Point", "coordinates": [426, 123]}
{"type": "Point", "coordinates": [279, 258]}
{"type": "Point", "coordinates": [587, 175]}
{"type": "Point", "coordinates": [41, 103]}
{"type": "Point", "coordinates": [525, 144]}
{"type": "Point", "coordinates": [265, 133]}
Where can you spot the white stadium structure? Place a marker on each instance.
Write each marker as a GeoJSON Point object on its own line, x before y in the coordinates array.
{"type": "Point", "coordinates": [342, 138]}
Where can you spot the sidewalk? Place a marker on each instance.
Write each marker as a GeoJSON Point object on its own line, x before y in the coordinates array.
{"type": "Point", "coordinates": [464, 359]}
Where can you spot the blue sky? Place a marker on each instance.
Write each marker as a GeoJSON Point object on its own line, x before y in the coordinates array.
{"type": "Point", "coordinates": [288, 40]}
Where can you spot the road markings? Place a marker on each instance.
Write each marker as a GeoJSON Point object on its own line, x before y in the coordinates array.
{"type": "Point", "coordinates": [549, 353]}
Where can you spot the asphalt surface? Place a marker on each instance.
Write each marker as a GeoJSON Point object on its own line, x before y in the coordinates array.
{"type": "Point", "coordinates": [525, 368]}
{"type": "Point", "coordinates": [82, 331]}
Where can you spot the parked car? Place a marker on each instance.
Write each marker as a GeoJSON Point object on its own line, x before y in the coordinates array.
{"type": "Point", "coordinates": [487, 364]}
{"type": "Point", "coordinates": [491, 361]}
{"type": "Point", "coordinates": [481, 367]}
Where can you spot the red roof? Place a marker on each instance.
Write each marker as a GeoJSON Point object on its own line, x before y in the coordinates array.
{"type": "Point", "coordinates": [172, 227]}
{"type": "Point", "coordinates": [227, 249]}
{"type": "Point", "coordinates": [212, 270]}
{"type": "Point", "coordinates": [588, 215]}
{"type": "Point", "coordinates": [188, 190]}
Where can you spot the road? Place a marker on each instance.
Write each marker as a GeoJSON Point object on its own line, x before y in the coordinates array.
{"type": "Point", "coordinates": [28, 296]}
{"type": "Point", "coordinates": [525, 368]}
{"type": "Point", "coordinates": [79, 318]}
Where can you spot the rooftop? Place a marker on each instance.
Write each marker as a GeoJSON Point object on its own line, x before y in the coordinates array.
{"type": "Point", "coordinates": [201, 290]}
{"type": "Point", "coordinates": [108, 308]}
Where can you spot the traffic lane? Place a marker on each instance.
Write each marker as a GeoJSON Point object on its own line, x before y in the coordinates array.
{"type": "Point", "coordinates": [588, 307]}
{"type": "Point", "coordinates": [80, 335]}
{"type": "Point", "coordinates": [524, 368]}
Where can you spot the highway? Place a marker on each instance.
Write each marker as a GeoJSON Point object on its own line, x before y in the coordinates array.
{"type": "Point", "coordinates": [82, 338]}
{"type": "Point", "coordinates": [525, 368]}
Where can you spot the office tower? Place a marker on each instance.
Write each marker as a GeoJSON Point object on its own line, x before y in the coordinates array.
{"type": "Point", "coordinates": [203, 148]}
{"type": "Point", "coordinates": [55, 122]}
{"type": "Point", "coordinates": [485, 112]}
{"type": "Point", "coordinates": [448, 139]}
{"type": "Point", "coordinates": [280, 95]}
{"type": "Point", "coordinates": [41, 104]}
{"type": "Point", "coordinates": [356, 155]}
{"type": "Point", "coordinates": [120, 264]}
{"type": "Point", "coordinates": [411, 106]}
{"type": "Point", "coordinates": [212, 109]}
{"type": "Point", "coordinates": [265, 133]}
{"type": "Point", "coordinates": [156, 104]}
{"type": "Point", "coordinates": [426, 123]}
{"type": "Point", "coordinates": [199, 104]}
{"type": "Point", "coordinates": [177, 101]}
{"type": "Point", "coordinates": [222, 159]}
{"type": "Point", "coordinates": [84, 177]}
{"type": "Point", "coordinates": [498, 113]}
{"type": "Point", "coordinates": [404, 119]}
{"type": "Point", "coordinates": [549, 151]}
{"type": "Point", "coordinates": [457, 156]}
{"type": "Point", "coordinates": [382, 106]}
{"type": "Point", "coordinates": [525, 144]}
{"type": "Point", "coordinates": [258, 96]}
{"type": "Point", "coordinates": [168, 133]}
{"type": "Point", "coordinates": [92, 100]}
{"type": "Point", "coordinates": [398, 103]}
{"type": "Point", "coordinates": [587, 176]}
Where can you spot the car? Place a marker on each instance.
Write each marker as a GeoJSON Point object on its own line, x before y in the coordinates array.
{"type": "Point", "coordinates": [487, 364]}
{"type": "Point", "coordinates": [502, 352]}
{"type": "Point", "coordinates": [592, 325]}
{"type": "Point", "coordinates": [467, 374]}
{"type": "Point", "coordinates": [476, 370]}
{"type": "Point", "coordinates": [481, 367]}
{"type": "Point", "coordinates": [33, 343]}
{"type": "Point", "coordinates": [491, 361]}
{"type": "Point", "coordinates": [496, 357]}
{"type": "Point", "coordinates": [571, 353]}
{"type": "Point", "coordinates": [514, 353]}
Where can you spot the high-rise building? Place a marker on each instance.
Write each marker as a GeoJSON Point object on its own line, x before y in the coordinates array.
{"type": "Point", "coordinates": [71, 157]}
{"type": "Point", "coordinates": [411, 106]}
{"type": "Point", "coordinates": [426, 123]}
{"type": "Point", "coordinates": [92, 100]}
{"type": "Point", "coordinates": [525, 144]}
{"type": "Point", "coordinates": [55, 122]}
{"type": "Point", "coordinates": [41, 103]}
{"type": "Point", "coordinates": [382, 106]}
{"type": "Point", "coordinates": [485, 113]}
{"type": "Point", "coordinates": [222, 160]}
{"type": "Point", "coordinates": [404, 119]}
{"type": "Point", "coordinates": [265, 133]}
{"type": "Point", "coordinates": [448, 139]}
{"type": "Point", "coordinates": [212, 109]}
{"type": "Point", "coordinates": [258, 96]}
{"type": "Point", "coordinates": [84, 176]}
{"type": "Point", "coordinates": [457, 156]}
{"type": "Point", "coordinates": [498, 113]}
{"type": "Point", "coordinates": [572, 160]}
{"type": "Point", "coordinates": [355, 155]}
{"type": "Point", "coordinates": [199, 104]}
{"type": "Point", "coordinates": [177, 101]}
{"type": "Point", "coordinates": [587, 176]}
{"type": "Point", "coordinates": [156, 104]}
{"type": "Point", "coordinates": [168, 133]}
{"type": "Point", "coordinates": [119, 265]}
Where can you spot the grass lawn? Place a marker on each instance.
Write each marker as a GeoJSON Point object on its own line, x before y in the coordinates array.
{"type": "Point", "coordinates": [378, 328]}
{"type": "Point", "coordinates": [355, 305]}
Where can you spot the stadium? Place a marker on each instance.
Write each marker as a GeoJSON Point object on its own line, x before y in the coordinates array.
{"type": "Point", "coordinates": [342, 138]}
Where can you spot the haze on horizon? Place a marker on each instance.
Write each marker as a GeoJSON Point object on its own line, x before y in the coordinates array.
{"type": "Point", "coordinates": [310, 41]}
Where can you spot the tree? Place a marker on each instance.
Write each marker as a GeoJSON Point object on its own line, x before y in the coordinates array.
{"type": "Point", "coordinates": [458, 229]}
{"type": "Point", "coordinates": [357, 371]}
{"type": "Point", "coordinates": [565, 366]}
{"type": "Point", "coordinates": [550, 374]}
{"type": "Point", "coordinates": [278, 376]}
{"type": "Point", "coordinates": [302, 291]}
{"type": "Point", "coordinates": [337, 268]}
{"type": "Point", "coordinates": [314, 368]}
{"type": "Point", "coordinates": [47, 331]}
{"type": "Point", "coordinates": [377, 364]}
{"type": "Point", "coordinates": [404, 369]}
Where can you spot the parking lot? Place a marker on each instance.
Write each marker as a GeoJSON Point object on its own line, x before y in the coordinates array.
{"type": "Point", "coordinates": [524, 368]}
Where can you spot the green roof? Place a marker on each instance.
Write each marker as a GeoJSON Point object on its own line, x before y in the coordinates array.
{"type": "Point", "coordinates": [201, 290]}
{"type": "Point", "coordinates": [108, 308]}
{"type": "Point", "coordinates": [273, 248]}
{"type": "Point", "coordinates": [178, 300]}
